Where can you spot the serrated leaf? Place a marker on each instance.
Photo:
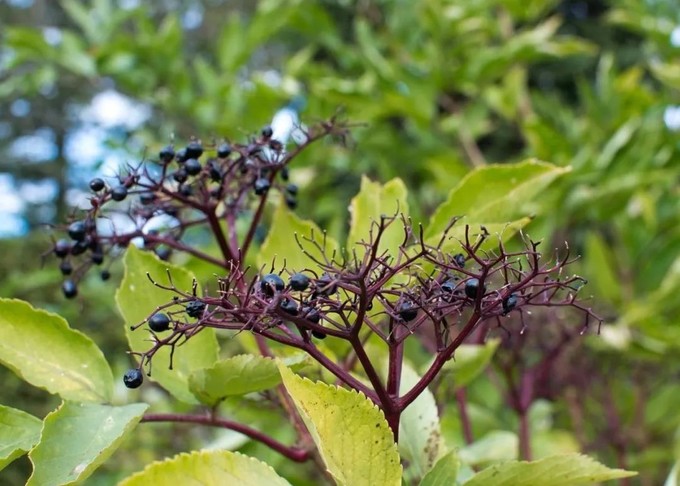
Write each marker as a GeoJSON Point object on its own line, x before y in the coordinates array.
{"type": "Point", "coordinates": [494, 194]}
{"type": "Point", "coordinates": [497, 445]}
{"type": "Point", "coordinates": [77, 438]}
{"type": "Point", "coordinates": [351, 433]}
{"type": "Point", "coordinates": [19, 432]}
{"type": "Point", "coordinates": [444, 472]}
{"type": "Point", "coordinates": [237, 375]}
{"type": "Point", "coordinates": [561, 470]}
{"type": "Point", "coordinates": [281, 243]}
{"type": "Point", "coordinates": [208, 468]}
{"type": "Point", "coordinates": [42, 349]}
{"type": "Point", "coordinates": [469, 361]}
{"type": "Point", "coordinates": [420, 437]}
{"type": "Point", "coordinates": [137, 298]}
{"type": "Point", "coordinates": [373, 202]}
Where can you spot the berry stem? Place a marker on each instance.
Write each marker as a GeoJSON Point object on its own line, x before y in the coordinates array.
{"type": "Point", "coordinates": [227, 251]}
{"type": "Point", "coordinates": [291, 452]}
{"type": "Point", "coordinates": [461, 401]}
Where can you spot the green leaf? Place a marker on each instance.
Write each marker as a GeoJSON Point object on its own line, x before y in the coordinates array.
{"type": "Point", "coordinates": [497, 445]}
{"type": "Point", "coordinates": [281, 243]}
{"type": "Point", "coordinates": [41, 348]}
{"type": "Point", "coordinates": [19, 432]}
{"type": "Point", "coordinates": [601, 268]}
{"type": "Point", "coordinates": [352, 435]}
{"type": "Point", "coordinates": [77, 438]}
{"type": "Point", "coordinates": [137, 298]}
{"type": "Point", "coordinates": [470, 360]}
{"type": "Point", "coordinates": [443, 473]}
{"type": "Point", "coordinates": [420, 438]}
{"type": "Point", "coordinates": [208, 468]}
{"type": "Point", "coordinates": [561, 470]}
{"type": "Point", "coordinates": [374, 201]}
{"type": "Point", "coordinates": [494, 194]}
{"type": "Point", "coordinates": [238, 375]}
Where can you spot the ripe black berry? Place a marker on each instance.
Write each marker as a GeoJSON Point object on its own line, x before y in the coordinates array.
{"type": "Point", "coordinates": [299, 281]}
{"type": "Point", "coordinates": [65, 267]}
{"type": "Point", "coordinates": [185, 190]}
{"type": "Point", "coordinates": [181, 155]}
{"type": "Point", "coordinates": [224, 150]}
{"type": "Point", "coordinates": [472, 288]}
{"type": "Point", "coordinates": [311, 314]}
{"type": "Point", "coordinates": [76, 230]}
{"type": "Point", "coordinates": [105, 275]}
{"type": "Point", "coordinates": [194, 150]}
{"type": "Point", "coordinates": [193, 167]}
{"type": "Point", "coordinates": [285, 174]}
{"type": "Point", "coordinates": [289, 306]}
{"type": "Point", "coordinates": [133, 378]}
{"type": "Point", "coordinates": [267, 132]}
{"type": "Point", "coordinates": [318, 334]}
{"type": "Point", "coordinates": [215, 170]}
{"type": "Point", "coordinates": [166, 154]}
{"type": "Point", "coordinates": [509, 303]}
{"type": "Point", "coordinates": [159, 322]}
{"type": "Point", "coordinates": [449, 285]}
{"type": "Point", "coordinates": [292, 189]}
{"type": "Point", "coordinates": [261, 186]}
{"type": "Point", "coordinates": [459, 260]}
{"type": "Point", "coordinates": [163, 253]}
{"type": "Point", "coordinates": [195, 309]}
{"type": "Point", "coordinates": [62, 248]}
{"type": "Point", "coordinates": [180, 175]}
{"type": "Point", "coordinates": [97, 257]}
{"type": "Point", "coordinates": [119, 193]}
{"type": "Point", "coordinates": [324, 285]}
{"type": "Point", "coordinates": [69, 289]}
{"type": "Point", "coordinates": [291, 201]}
{"type": "Point", "coordinates": [407, 311]}
{"type": "Point", "coordinates": [97, 184]}
{"type": "Point", "coordinates": [79, 248]}
{"type": "Point", "coordinates": [147, 198]}
{"type": "Point", "coordinates": [270, 284]}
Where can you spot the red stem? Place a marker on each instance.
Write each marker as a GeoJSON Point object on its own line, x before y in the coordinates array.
{"type": "Point", "coordinates": [461, 401]}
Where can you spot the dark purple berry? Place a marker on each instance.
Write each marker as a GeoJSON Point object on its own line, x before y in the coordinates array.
{"type": "Point", "coordinates": [119, 193]}
{"type": "Point", "coordinates": [285, 174]}
{"type": "Point", "coordinates": [449, 285]}
{"type": "Point", "coordinates": [407, 311]}
{"type": "Point", "coordinates": [215, 171]}
{"type": "Point", "coordinates": [195, 309]}
{"type": "Point", "coordinates": [133, 378]}
{"type": "Point", "coordinates": [224, 150]}
{"type": "Point", "coordinates": [159, 322]}
{"type": "Point", "coordinates": [97, 257]}
{"type": "Point", "coordinates": [163, 253]}
{"type": "Point", "coordinates": [185, 190]}
{"type": "Point", "coordinates": [77, 230]}
{"type": "Point", "coordinates": [166, 154]}
{"type": "Point", "coordinates": [459, 260]}
{"type": "Point", "coordinates": [105, 275]}
{"type": "Point", "coordinates": [181, 156]}
{"type": "Point", "coordinates": [261, 186]}
{"type": "Point", "coordinates": [311, 314]}
{"type": "Point", "coordinates": [62, 248]}
{"type": "Point", "coordinates": [147, 198]}
{"type": "Point", "coordinates": [472, 288]}
{"type": "Point", "coordinates": [97, 184]}
{"type": "Point", "coordinates": [291, 201]}
{"type": "Point", "coordinates": [318, 334]}
{"type": "Point", "coordinates": [180, 175]}
{"type": "Point", "coordinates": [79, 248]}
{"type": "Point", "coordinates": [65, 267]}
{"type": "Point", "coordinates": [289, 306]}
{"type": "Point", "coordinates": [194, 150]}
{"type": "Point", "coordinates": [292, 189]}
{"type": "Point", "coordinates": [193, 167]}
{"type": "Point", "coordinates": [324, 285]}
{"type": "Point", "coordinates": [267, 132]}
{"type": "Point", "coordinates": [299, 281]}
{"type": "Point", "coordinates": [509, 303]}
{"type": "Point", "coordinates": [69, 289]}
{"type": "Point", "coordinates": [271, 283]}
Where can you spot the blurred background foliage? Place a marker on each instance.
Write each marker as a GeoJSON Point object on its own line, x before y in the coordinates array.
{"type": "Point", "coordinates": [440, 87]}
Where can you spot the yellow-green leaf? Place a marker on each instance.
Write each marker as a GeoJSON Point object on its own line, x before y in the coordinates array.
{"type": "Point", "coordinates": [42, 349]}
{"type": "Point", "coordinates": [444, 473]}
{"type": "Point", "coordinates": [19, 432]}
{"type": "Point", "coordinates": [208, 468]}
{"type": "Point", "coordinates": [137, 298]}
{"type": "Point", "coordinates": [470, 360]}
{"type": "Point", "coordinates": [352, 435]}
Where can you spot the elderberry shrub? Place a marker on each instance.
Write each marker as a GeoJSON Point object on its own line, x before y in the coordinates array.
{"type": "Point", "coordinates": [271, 283]}
{"type": "Point", "coordinates": [195, 309]}
{"type": "Point", "coordinates": [133, 378]}
{"type": "Point", "coordinates": [299, 282]}
{"type": "Point", "coordinates": [407, 311]}
{"type": "Point", "coordinates": [159, 322]}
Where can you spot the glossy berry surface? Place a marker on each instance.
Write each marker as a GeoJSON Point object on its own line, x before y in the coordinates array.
{"type": "Point", "coordinates": [459, 259]}
{"type": "Point", "coordinates": [194, 150]}
{"type": "Point", "coordinates": [159, 322]}
{"type": "Point", "coordinates": [291, 201]}
{"type": "Point", "coordinates": [449, 285]}
{"type": "Point", "coordinates": [299, 281]}
{"type": "Point", "coordinates": [133, 378]}
{"type": "Point", "coordinates": [65, 267]}
{"type": "Point", "coordinates": [76, 230]}
{"type": "Point", "coordinates": [195, 309]}
{"type": "Point", "coordinates": [105, 275]}
{"type": "Point", "coordinates": [62, 248]}
{"type": "Point", "coordinates": [119, 193]}
{"type": "Point", "coordinates": [271, 283]}
{"type": "Point", "coordinates": [509, 303]}
{"type": "Point", "coordinates": [292, 189]}
{"type": "Point", "coordinates": [318, 334]}
{"type": "Point", "coordinates": [147, 198]}
{"type": "Point", "coordinates": [193, 167]}
{"type": "Point", "coordinates": [261, 186]}
{"type": "Point", "coordinates": [267, 132]}
{"type": "Point", "coordinates": [289, 306]}
{"type": "Point", "coordinates": [324, 285]}
{"type": "Point", "coordinates": [97, 184]}
{"type": "Point", "coordinates": [472, 288]}
{"type": "Point", "coordinates": [166, 154]}
{"type": "Point", "coordinates": [407, 311]}
{"type": "Point", "coordinates": [224, 150]}
{"type": "Point", "coordinates": [69, 289]}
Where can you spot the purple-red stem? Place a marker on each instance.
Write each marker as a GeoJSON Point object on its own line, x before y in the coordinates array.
{"type": "Point", "coordinates": [461, 401]}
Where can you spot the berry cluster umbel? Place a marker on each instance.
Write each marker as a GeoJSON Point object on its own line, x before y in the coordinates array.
{"type": "Point", "coordinates": [196, 185]}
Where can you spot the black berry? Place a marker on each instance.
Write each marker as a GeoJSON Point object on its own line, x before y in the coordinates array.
{"type": "Point", "coordinates": [267, 132]}
{"type": "Point", "coordinates": [449, 285]}
{"type": "Point", "coordinates": [65, 267]}
{"type": "Point", "coordinates": [459, 260]}
{"type": "Point", "coordinates": [119, 193]}
{"type": "Point", "coordinates": [147, 198]}
{"type": "Point", "coordinates": [324, 285]}
{"type": "Point", "coordinates": [193, 167]}
{"type": "Point", "coordinates": [312, 314]}
{"type": "Point", "coordinates": [291, 201]}
{"type": "Point", "coordinates": [185, 190]}
{"type": "Point", "coordinates": [407, 311]}
{"type": "Point", "coordinates": [472, 288]}
{"type": "Point", "coordinates": [79, 248]}
{"type": "Point", "coordinates": [97, 257]}
{"type": "Point", "coordinates": [163, 253]}
{"type": "Point", "coordinates": [285, 174]}
{"type": "Point", "coordinates": [69, 289]}
{"type": "Point", "coordinates": [292, 189]}
{"type": "Point", "coordinates": [97, 184]}
{"type": "Point", "coordinates": [62, 248]}
{"type": "Point", "coordinates": [261, 186]}
{"type": "Point", "coordinates": [181, 155]}
{"type": "Point", "coordinates": [77, 230]}
{"type": "Point", "coordinates": [194, 150]}
{"type": "Point", "coordinates": [318, 334]}
{"type": "Point", "coordinates": [133, 378]}
{"type": "Point", "coordinates": [289, 306]}
{"type": "Point", "coordinates": [180, 175]}
{"type": "Point", "coordinates": [166, 154]}
{"type": "Point", "coordinates": [195, 309]}
{"type": "Point", "coordinates": [299, 281]}
{"type": "Point", "coordinates": [224, 150]}
{"type": "Point", "coordinates": [509, 303]}
{"type": "Point", "coordinates": [215, 170]}
{"type": "Point", "coordinates": [105, 275]}
{"type": "Point", "coordinates": [159, 322]}
{"type": "Point", "coordinates": [270, 284]}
